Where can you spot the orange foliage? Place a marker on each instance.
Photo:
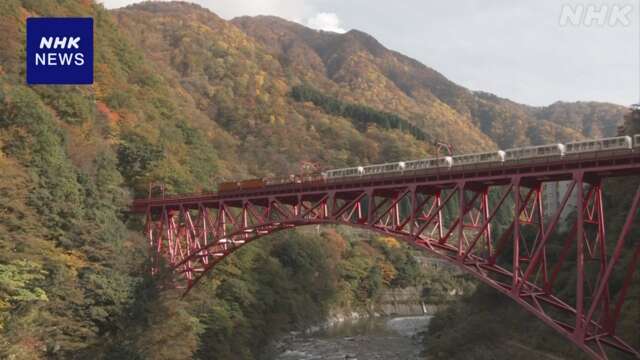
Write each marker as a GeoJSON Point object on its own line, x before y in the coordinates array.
{"type": "Point", "coordinates": [388, 272]}
{"type": "Point", "coordinates": [336, 244]}
{"type": "Point", "coordinates": [390, 242]}
{"type": "Point", "coordinates": [112, 116]}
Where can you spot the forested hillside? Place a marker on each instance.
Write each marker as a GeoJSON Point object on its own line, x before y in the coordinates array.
{"type": "Point", "coordinates": [186, 98]}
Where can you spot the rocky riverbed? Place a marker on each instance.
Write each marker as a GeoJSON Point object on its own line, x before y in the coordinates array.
{"type": "Point", "coordinates": [370, 338]}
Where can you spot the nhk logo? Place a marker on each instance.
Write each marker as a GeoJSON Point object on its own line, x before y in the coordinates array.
{"type": "Point", "coordinates": [593, 15]}
{"type": "Point", "coordinates": [59, 50]}
{"type": "Point", "coordinates": [57, 58]}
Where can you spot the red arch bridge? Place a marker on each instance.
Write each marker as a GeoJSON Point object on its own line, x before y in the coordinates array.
{"type": "Point", "coordinates": [494, 223]}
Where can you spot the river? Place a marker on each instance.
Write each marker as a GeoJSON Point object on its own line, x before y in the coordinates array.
{"type": "Point", "coordinates": [372, 338]}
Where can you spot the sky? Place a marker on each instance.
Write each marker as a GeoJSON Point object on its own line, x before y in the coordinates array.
{"type": "Point", "coordinates": [534, 52]}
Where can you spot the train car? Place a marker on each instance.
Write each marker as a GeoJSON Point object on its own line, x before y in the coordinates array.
{"type": "Point", "coordinates": [636, 140]}
{"type": "Point", "coordinates": [252, 184]}
{"type": "Point", "coordinates": [346, 172]}
{"type": "Point", "coordinates": [314, 179]}
{"type": "Point", "coordinates": [415, 165]}
{"type": "Point", "coordinates": [228, 186]}
{"type": "Point", "coordinates": [384, 168]}
{"type": "Point", "coordinates": [480, 158]}
{"type": "Point", "coordinates": [610, 144]}
{"type": "Point", "coordinates": [442, 162]}
{"type": "Point", "coordinates": [272, 181]}
{"type": "Point", "coordinates": [534, 152]}
{"type": "Point", "coordinates": [426, 164]}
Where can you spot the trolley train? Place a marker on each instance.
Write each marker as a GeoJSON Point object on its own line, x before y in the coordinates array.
{"type": "Point", "coordinates": [576, 149]}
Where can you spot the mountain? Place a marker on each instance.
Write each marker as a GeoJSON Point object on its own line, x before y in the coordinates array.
{"type": "Point", "coordinates": [356, 67]}
{"type": "Point", "coordinates": [273, 55]}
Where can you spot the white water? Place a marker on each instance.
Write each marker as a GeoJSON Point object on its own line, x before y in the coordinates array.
{"type": "Point", "coordinates": [373, 338]}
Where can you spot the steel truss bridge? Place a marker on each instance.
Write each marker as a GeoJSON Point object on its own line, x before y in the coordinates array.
{"type": "Point", "coordinates": [452, 214]}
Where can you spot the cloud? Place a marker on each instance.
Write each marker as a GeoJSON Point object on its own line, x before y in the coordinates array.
{"type": "Point", "coordinates": [325, 21]}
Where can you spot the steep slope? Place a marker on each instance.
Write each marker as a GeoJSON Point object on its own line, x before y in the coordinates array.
{"type": "Point", "coordinates": [593, 119]}
{"type": "Point", "coordinates": [70, 157]}
{"type": "Point", "coordinates": [355, 67]}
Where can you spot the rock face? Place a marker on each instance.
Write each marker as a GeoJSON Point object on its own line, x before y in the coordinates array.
{"type": "Point", "coordinates": [402, 302]}
{"type": "Point", "coordinates": [393, 302]}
